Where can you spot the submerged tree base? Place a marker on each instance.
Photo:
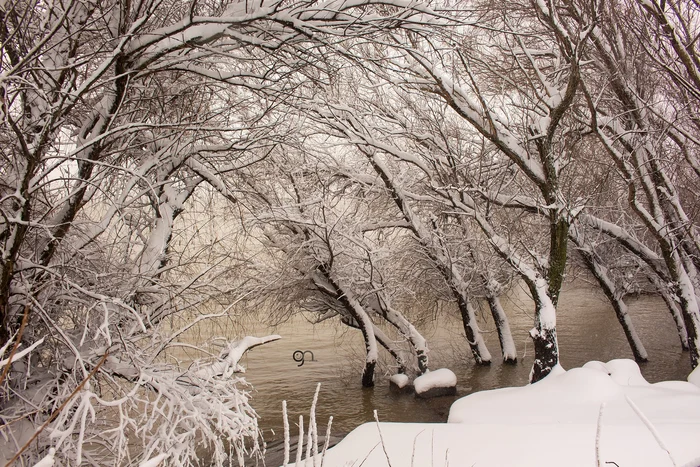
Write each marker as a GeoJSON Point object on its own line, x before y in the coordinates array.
{"type": "Point", "coordinates": [546, 353]}
{"type": "Point", "coordinates": [368, 375]}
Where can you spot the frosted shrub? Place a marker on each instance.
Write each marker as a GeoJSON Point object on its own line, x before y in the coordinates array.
{"type": "Point", "coordinates": [124, 414]}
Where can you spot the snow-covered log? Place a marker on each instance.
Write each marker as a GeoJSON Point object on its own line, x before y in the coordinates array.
{"type": "Point", "coordinates": [399, 382]}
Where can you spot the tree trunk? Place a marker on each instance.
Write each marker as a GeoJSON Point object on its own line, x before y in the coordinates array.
{"type": "Point", "coordinates": [383, 340]}
{"type": "Point", "coordinates": [544, 334]}
{"type": "Point", "coordinates": [347, 299]}
{"type": "Point", "coordinates": [546, 353]}
{"type": "Point", "coordinates": [503, 328]}
{"type": "Point", "coordinates": [675, 312]}
{"type": "Point", "coordinates": [546, 295]}
{"type": "Point", "coordinates": [481, 353]}
{"type": "Point", "coordinates": [635, 343]}
{"type": "Point", "coordinates": [684, 288]}
{"type": "Point", "coordinates": [382, 307]}
{"type": "Point", "coordinates": [691, 313]}
{"type": "Point", "coordinates": [368, 374]}
{"type": "Point", "coordinates": [601, 274]}
{"type": "Point", "coordinates": [559, 236]}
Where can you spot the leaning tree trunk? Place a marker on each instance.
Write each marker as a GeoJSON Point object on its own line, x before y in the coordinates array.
{"type": "Point", "coordinates": [685, 291]}
{"type": "Point", "coordinates": [505, 337]}
{"type": "Point", "coordinates": [352, 305]}
{"type": "Point", "coordinates": [383, 340]}
{"type": "Point", "coordinates": [673, 309]}
{"type": "Point", "coordinates": [601, 274]}
{"type": "Point", "coordinates": [500, 319]}
{"type": "Point", "coordinates": [481, 353]}
{"type": "Point", "coordinates": [367, 328]}
{"type": "Point", "coordinates": [382, 307]}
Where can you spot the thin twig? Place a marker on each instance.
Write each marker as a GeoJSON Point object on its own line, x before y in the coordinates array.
{"type": "Point", "coordinates": [300, 442]}
{"type": "Point", "coordinates": [381, 438]}
{"type": "Point", "coordinates": [309, 441]}
{"type": "Point", "coordinates": [18, 340]}
{"type": "Point", "coordinates": [285, 418]}
{"type": "Point", "coordinates": [367, 456]}
{"type": "Point", "coordinates": [312, 420]}
{"type": "Point", "coordinates": [328, 439]}
{"type": "Point", "coordinates": [599, 426]}
{"type": "Point", "coordinates": [413, 451]}
{"type": "Point", "coordinates": [58, 410]}
{"type": "Point", "coordinates": [651, 428]}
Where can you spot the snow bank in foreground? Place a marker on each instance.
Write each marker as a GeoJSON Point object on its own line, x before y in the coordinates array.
{"type": "Point", "coordinates": [555, 422]}
{"type": "Point", "coordinates": [694, 377]}
{"type": "Point", "coordinates": [442, 378]}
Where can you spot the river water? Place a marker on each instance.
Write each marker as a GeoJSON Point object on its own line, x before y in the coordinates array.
{"type": "Point", "coordinates": [587, 330]}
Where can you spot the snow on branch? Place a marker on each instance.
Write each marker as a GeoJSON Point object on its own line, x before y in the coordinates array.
{"type": "Point", "coordinates": [230, 356]}
{"type": "Point", "coordinates": [22, 353]}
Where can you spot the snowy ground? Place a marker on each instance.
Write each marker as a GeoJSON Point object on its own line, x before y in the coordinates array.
{"type": "Point", "coordinates": [556, 422]}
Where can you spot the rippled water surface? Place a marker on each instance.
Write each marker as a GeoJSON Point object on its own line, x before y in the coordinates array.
{"type": "Point", "coordinates": [587, 330]}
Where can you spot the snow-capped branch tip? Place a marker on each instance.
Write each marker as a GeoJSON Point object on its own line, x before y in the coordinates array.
{"type": "Point", "coordinates": [236, 349]}
{"type": "Point", "coordinates": [48, 460]}
{"type": "Point", "coordinates": [154, 461]}
{"type": "Point", "coordinates": [230, 356]}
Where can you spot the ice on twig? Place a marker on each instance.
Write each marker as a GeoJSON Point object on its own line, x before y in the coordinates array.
{"type": "Point", "coordinates": [48, 460]}
{"type": "Point", "coordinates": [154, 461]}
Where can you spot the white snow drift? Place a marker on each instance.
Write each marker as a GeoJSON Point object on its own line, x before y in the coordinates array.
{"type": "Point", "coordinates": [590, 416]}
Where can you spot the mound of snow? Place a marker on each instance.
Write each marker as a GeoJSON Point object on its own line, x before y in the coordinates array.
{"type": "Point", "coordinates": [399, 380]}
{"type": "Point", "coordinates": [626, 372]}
{"type": "Point", "coordinates": [436, 383]}
{"type": "Point", "coordinates": [554, 422]}
{"type": "Point", "coordinates": [694, 377]}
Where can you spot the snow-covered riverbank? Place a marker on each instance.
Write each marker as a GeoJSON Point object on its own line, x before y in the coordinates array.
{"type": "Point", "coordinates": [598, 415]}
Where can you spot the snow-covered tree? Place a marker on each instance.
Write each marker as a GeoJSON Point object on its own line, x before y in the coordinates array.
{"type": "Point", "coordinates": [117, 118]}
{"type": "Point", "coordinates": [643, 123]}
{"type": "Point", "coordinates": [366, 128]}
{"type": "Point", "coordinates": [516, 92]}
{"type": "Point", "coordinates": [317, 226]}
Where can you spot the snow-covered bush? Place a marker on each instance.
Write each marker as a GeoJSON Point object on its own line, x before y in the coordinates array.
{"type": "Point", "coordinates": [129, 405]}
